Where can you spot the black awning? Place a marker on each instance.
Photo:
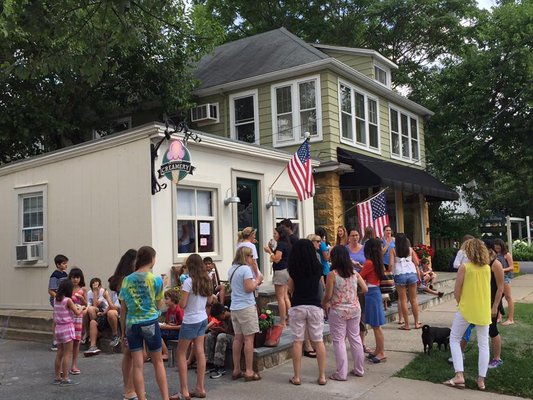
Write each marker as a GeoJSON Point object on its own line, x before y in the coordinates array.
{"type": "Point", "coordinates": [371, 172]}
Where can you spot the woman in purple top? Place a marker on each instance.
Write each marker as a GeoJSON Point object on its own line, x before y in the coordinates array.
{"type": "Point", "coordinates": [356, 250]}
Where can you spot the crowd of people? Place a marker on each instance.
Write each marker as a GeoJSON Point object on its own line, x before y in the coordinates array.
{"type": "Point", "coordinates": [315, 283]}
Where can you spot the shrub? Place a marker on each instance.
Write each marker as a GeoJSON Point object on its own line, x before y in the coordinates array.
{"type": "Point", "coordinates": [442, 259]}
{"type": "Point", "coordinates": [521, 251]}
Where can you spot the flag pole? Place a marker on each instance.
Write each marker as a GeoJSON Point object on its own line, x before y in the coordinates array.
{"type": "Point", "coordinates": [368, 198]}
{"type": "Point", "coordinates": [283, 170]}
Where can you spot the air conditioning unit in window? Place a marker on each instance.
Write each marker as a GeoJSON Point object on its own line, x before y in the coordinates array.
{"type": "Point", "coordinates": [30, 252]}
{"type": "Point", "coordinates": [205, 112]}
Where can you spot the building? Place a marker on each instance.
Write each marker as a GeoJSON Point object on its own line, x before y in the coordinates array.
{"type": "Point", "coordinates": [96, 200]}
{"type": "Point", "coordinates": [271, 88]}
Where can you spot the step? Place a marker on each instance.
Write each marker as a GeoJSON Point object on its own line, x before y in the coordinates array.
{"type": "Point", "coordinates": [28, 335]}
{"type": "Point", "coordinates": [27, 319]}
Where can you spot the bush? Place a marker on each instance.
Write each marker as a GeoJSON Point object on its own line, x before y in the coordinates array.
{"type": "Point", "coordinates": [442, 259]}
{"type": "Point", "coordinates": [521, 251]}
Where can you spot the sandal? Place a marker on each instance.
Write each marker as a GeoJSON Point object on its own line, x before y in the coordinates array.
{"type": "Point", "coordinates": [453, 384]}
{"type": "Point", "coordinates": [321, 382]}
{"type": "Point", "coordinates": [403, 328]}
{"type": "Point", "coordinates": [197, 395]}
{"type": "Point", "coordinates": [480, 384]}
{"type": "Point", "coordinates": [254, 377]}
{"type": "Point", "coordinates": [375, 360]}
{"type": "Point", "coordinates": [310, 353]}
{"type": "Point", "coordinates": [74, 371]}
{"type": "Point", "coordinates": [294, 382]}
{"type": "Point", "coordinates": [234, 377]}
{"type": "Point", "coordinates": [179, 396]}
{"type": "Point", "coordinates": [418, 325]}
{"type": "Point", "coordinates": [335, 377]}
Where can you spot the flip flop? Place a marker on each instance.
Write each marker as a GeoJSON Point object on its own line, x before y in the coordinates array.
{"type": "Point", "coordinates": [335, 377]}
{"type": "Point", "coordinates": [453, 384]}
{"type": "Point", "coordinates": [375, 360]}
{"type": "Point", "coordinates": [419, 325]}
{"type": "Point", "coordinates": [74, 371]}
{"type": "Point", "coordinates": [403, 328]}
{"type": "Point", "coordinates": [321, 383]}
{"type": "Point", "coordinates": [310, 354]}
{"type": "Point", "coordinates": [234, 377]}
{"type": "Point", "coordinates": [294, 382]}
{"type": "Point", "coordinates": [198, 395]}
{"type": "Point", "coordinates": [254, 377]}
{"type": "Point", "coordinates": [179, 396]}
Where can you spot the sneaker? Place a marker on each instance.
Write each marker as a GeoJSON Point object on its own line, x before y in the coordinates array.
{"type": "Point", "coordinates": [53, 347]}
{"type": "Point", "coordinates": [217, 373]}
{"type": "Point", "coordinates": [494, 363]}
{"type": "Point", "coordinates": [115, 341]}
{"type": "Point", "coordinates": [68, 382]}
{"type": "Point", "coordinates": [92, 351]}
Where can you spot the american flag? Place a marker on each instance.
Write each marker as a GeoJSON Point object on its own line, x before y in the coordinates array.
{"type": "Point", "coordinates": [373, 212]}
{"type": "Point", "coordinates": [301, 173]}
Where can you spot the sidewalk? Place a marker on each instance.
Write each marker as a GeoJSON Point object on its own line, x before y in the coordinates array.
{"type": "Point", "coordinates": [26, 370]}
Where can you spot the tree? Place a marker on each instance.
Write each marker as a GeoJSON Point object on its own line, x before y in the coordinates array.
{"type": "Point", "coordinates": [68, 66]}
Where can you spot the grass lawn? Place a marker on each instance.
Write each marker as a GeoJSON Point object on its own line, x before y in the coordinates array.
{"type": "Point", "coordinates": [514, 377]}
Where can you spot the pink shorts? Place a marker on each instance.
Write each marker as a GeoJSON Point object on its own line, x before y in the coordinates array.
{"type": "Point", "coordinates": [78, 327]}
{"type": "Point", "coordinates": [64, 333]}
{"type": "Point", "coordinates": [307, 317]}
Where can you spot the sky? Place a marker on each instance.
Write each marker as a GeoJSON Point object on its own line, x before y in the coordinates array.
{"type": "Point", "coordinates": [486, 3]}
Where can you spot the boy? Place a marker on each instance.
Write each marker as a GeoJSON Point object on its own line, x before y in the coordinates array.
{"type": "Point", "coordinates": [218, 339]}
{"type": "Point", "coordinates": [170, 329]}
{"type": "Point", "coordinates": [59, 274]}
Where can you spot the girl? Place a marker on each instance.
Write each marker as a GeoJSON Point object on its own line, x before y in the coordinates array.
{"type": "Point", "coordinates": [369, 234]}
{"type": "Point", "coordinates": [342, 305]}
{"type": "Point", "coordinates": [306, 313]}
{"type": "Point", "coordinates": [342, 236]}
{"type": "Point", "coordinates": [472, 292]}
{"type": "Point", "coordinates": [64, 309]}
{"type": "Point", "coordinates": [506, 259]}
{"type": "Point", "coordinates": [373, 271]}
{"type": "Point", "coordinates": [279, 257]}
{"type": "Point", "coordinates": [141, 297]}
{"type": "Point", "coordinates": [79, 297]}
{"type": "Point", "coordinates": [405, 278]}
{"type": "Point", "coordinates": [125, 266]}
{"type": "Point", "coordinates": [194, 294]}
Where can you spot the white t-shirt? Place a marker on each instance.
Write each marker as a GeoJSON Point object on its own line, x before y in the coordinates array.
{"type": "Point", "coordinates": [194, 311]}
{"type": "Point", "coordinates": [249, 245]}
{"type": "Point", "coordinates": [460, 258]}
{"type": "Point", "coordinates": [101, 299]}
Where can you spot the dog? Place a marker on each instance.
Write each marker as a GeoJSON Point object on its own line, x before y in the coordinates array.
{"type": "Point", "coordinates": [434, 334]}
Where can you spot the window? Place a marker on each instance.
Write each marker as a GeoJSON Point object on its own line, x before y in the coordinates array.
{"type": "Point", "coordinates": [404, 135]}
{"type": "Point", "coordinates": [381, 75]}
{"type": "Point", "coordinates": [31, 203]}
{"type": "Point", "coordinates": [296, 110]}
{"type": "Point", "coordinates": [196, 230]}
{"type": "Point", "coordinates": [359, 114]}
{"type": "Point", "coordinates": [32, 218]}
{"type": "Point", "coordinates": [244, 117]}
{"type": "Point", "coordinates": [288, 209]}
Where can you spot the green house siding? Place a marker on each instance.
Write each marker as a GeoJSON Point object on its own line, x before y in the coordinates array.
{"type": "Point", "coordinates": [363, 64]}
{"type": "Point", "coordinates": [220, 128]}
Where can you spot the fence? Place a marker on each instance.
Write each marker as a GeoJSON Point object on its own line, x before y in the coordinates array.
{"type": "Point", "coordinates": [442, 243]}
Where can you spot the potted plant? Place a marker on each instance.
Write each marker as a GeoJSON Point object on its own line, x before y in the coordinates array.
{"type": "Point", "coordinates": [266, 321]}
{"type": "Point", "coordinates": [423, 251]}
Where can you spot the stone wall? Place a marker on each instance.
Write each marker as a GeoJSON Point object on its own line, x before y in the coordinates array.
{"type": "Point", "coordinates": [329, 208]}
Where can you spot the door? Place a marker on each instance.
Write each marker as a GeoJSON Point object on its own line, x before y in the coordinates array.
{"type": "Point", "coordinates": [248, 209]}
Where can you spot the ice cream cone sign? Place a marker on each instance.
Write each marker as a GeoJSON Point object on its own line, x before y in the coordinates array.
{"type": "Point", "coordinates": [176, 163]}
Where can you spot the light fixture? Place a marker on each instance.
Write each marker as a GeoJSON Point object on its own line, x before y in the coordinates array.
{"type": "Point", "coordinates": [272, 203]}
{"type": "Point", "coordinates": [233, 198]}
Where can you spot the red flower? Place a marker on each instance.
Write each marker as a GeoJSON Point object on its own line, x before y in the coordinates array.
{"type": "Point", "coordinates": [263, 316]}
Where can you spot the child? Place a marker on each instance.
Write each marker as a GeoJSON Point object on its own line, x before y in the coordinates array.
{"type": "Point", "coordinates": [428, 276]}
{"type": "Point", "coordinates": [170, 329]}
{"type": "Point", "coordinates": [79, 297]}
{"type": "Point", "coordinates": [212, 271]}
{"type": "Point", "coordinates": [98, 304]}
{"type": "Point", "coordinates": [194, 294]}
{"type": "Point", "coordinates": [61, 263]}
{"type": "Point", "coordinates": [64, 308]}
{"type": "Point", "coordinates": [218, 339]}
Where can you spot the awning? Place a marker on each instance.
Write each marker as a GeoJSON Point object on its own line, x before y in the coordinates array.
{"type": "Point", "coordinates": [371, 172]}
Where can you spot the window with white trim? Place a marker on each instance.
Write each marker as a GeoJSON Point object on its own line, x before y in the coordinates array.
{"type": "Point", "coordinates": [405, 143]}
{"type": "Point", "coordinates": [296, 109]}
{"type": "Point", "coordinates": [244, 116]}
{"type": "Point", "coordinates": [196, 226]}
{"type": "Point", "coordinates": [288, 208]}
{"type": "Point", "coordinates": [381, 75]}
{"type": "Point", "coordinates": [32, 227]}
{"type": "Point", "coordinates": [359, 114]}
{"type": "Point", "coordinates": [31, 203]}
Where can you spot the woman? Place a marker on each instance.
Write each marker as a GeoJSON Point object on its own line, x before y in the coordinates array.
{"type": "Point", "coordinates": [369, 234]}
{"type": "Point", "coordinates": [306, 312]}
{"type": "Point", "coordinates": [356, 250]}
{"type": "Point", "coordinates": [141, 298]}
{"type": "Point", "coordinates": [506, 259]}
{"type": "Point", "coordinates": [342, 236]}
{"type": "Point", "coordinates": [403, 259]}
{"type": "Point", "coordinates": [124, 268]}
{"type": "Point", "coordinates": [472, 293]}
{"type": "Point", "coordinates": [372, 272]}
{"type": "Point", "coordinates": [279, 257]}
{"type": "Point", "coordinates": [341, 304]}
{"type": "Point", "coordinates": [387, 245]}
{"type": "Point", "coordinates": [243, 312]}
{"type": "Point", "coordinates": [247, 238]}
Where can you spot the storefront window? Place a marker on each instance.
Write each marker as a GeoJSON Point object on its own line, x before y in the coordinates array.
{"type": "Point", "coordinates": [196, 230]}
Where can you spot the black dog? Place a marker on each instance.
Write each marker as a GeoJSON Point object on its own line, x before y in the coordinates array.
{"type": "Point", "coordinates": [433, 334]}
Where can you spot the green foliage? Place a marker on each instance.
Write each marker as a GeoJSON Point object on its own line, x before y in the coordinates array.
{"type": "Point", "coordinates": [513, 378]}
{"type": "Point", "coordinates": [68, 67]}
{"type": "Point", "coordinates": [449, 224]}
{"type": "Point", "coordinates": [521, 251]}
{"type": "Point", "coordinates": [442, 259]}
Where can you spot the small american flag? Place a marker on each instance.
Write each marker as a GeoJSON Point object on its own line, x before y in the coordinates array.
{"type": "Point", "coordinates": [373, 212]}
{"type": "Point", "coordinates": [301, 173]}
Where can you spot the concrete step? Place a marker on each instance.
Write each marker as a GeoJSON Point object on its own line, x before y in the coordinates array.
{"type": "Point", "coordinates": [27, 319]}
{"type": "Point", "coordinates": [28, 335]}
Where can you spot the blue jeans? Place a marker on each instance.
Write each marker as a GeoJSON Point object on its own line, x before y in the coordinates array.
{"type": "Point", "coordinates": [146, 332]}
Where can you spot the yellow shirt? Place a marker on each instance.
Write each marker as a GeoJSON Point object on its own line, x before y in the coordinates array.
{"type": "Point", "coordinates": [475, 304]}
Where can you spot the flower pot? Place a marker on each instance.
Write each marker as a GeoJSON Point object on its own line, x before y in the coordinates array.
{"type": "Point", "coordinates": [259, 339]}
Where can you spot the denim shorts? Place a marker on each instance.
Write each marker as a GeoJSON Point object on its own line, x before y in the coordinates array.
{"type": "Point", "coordinates": [192, 331]}
{"type": "Point", "coordinates": [146, 332]}
{"type": "Point", "coordinates": [407, 279]}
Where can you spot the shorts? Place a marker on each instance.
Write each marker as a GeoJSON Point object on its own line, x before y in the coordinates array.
{"type": "Point", "coordinates": [407, 279]}
{"type": "Point", "coordinates": [307, 317]}
{"type": "Point", "coordinates": [281, 277]}
{"type": "Point", "coordinates": [64, 333]}
{"type": "Point", "coordinates": [146, 332]}
{"type": "Point", "coordinates": [78, 327]}
{"type": "Point", "coordinates": [192, 331]}
{"type": "Point", "coordinates": [102, 322]}
{"type": "Point", "coordinates": [245, 321]}
{"type": "Point", "coordinates": [507, 277]}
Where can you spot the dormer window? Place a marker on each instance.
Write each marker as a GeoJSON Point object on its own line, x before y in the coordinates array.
{"type": "Point", "coordinates": [382, 75]}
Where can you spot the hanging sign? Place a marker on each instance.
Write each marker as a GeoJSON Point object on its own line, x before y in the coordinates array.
{"type": "Point", "coordinates": [176, 163]}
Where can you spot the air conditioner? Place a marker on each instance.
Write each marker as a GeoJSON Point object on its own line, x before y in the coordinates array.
{"type": "Point", "coordinates": [30, 252]}
{"type": "Point", "coordinates": [205, 112]}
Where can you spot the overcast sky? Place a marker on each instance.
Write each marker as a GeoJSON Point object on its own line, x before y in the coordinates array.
{"type": "Point", "coordinates": [486, 3]}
